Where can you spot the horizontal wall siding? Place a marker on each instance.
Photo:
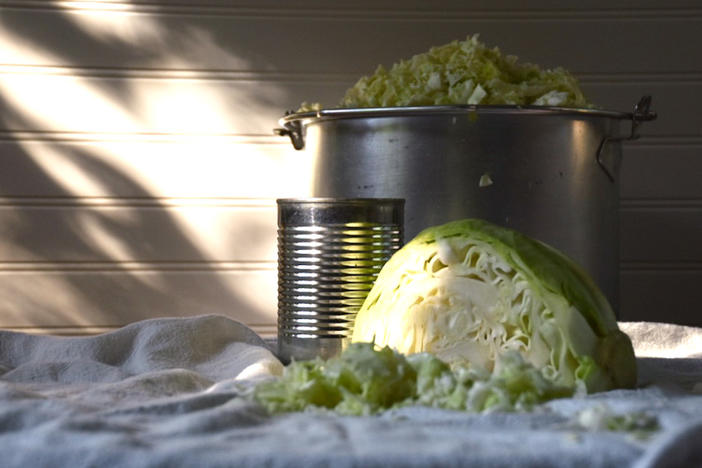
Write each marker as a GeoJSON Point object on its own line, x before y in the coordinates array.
{"type": "Point", "coordinates": [662, 169]}
{"type": "Point", "coordinates": [676, 227]}
{"type": "Point", "coordinates": [103, 231]}
{"type": "Point", "coordinates": [148, 166]}
{"type": "Point", "coordinates": [264, 167]}
{"type": "Point", "coordinates": [110, 296]}
{"type": "Point", "coordinates": [659, 295]}
{"type": "Point", "coordinates": [134, 231]}
{"type": "Point", "coordinates": [132, 104]}
{"type": "Point", "coordinates": [310, 41]}
{"type": "Point", "coordinates": [139, 169]}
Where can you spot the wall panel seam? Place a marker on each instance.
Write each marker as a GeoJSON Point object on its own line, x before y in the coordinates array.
{"type": "Point", "coordinates": [345, 13]}
{"type": "Point", "coordinates": [660, 204]}
{"type": "Point", "coordinates": [260, 139]}
{"type": "Point", "coordinates": [672, 141]}
{"type": "Point", "coordinates": [649, 267]}
{"type": "Point", "coordinates": [626, 203]}
{"type": "Point", "coordinates": [72, 136]}
{"type": "Point", "coordinates": [187, 74]}
{"type": "Point", "coordinates": [87, 330]}
{"type": "Point", "coordinates": [310, 77]}
{"type": "Point", "coordinates": [136, 202]}
{"type": "Point", "coordinates": [253, 265]}
{"type": "Point", "coordinates": [193, 266]}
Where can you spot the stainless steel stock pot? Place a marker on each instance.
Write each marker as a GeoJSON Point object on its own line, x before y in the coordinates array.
{"type": "Point", "coordinates": [549, 172]}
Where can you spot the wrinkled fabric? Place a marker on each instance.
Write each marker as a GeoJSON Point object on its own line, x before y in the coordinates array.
{"type": "Point", "coordinates": [175, 392]}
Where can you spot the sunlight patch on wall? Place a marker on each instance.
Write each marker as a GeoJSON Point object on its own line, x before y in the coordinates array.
{"type": "Point", "coordinates": [231, 234]}
{"type": "Point", "coordinates": [174, 137]}
{"type": "Point", "coordinates": [141, 168]}
{"type": "Point", "coordinates": [66, 104]}
{"type": "Point", "coordinates": [168, 109]}
{"type": "Point", "coordinates": [115, 22]}
{"type": "Point", "coordinates": [170, 167]}
{"type": "Point", "coordinates": [169, 101]}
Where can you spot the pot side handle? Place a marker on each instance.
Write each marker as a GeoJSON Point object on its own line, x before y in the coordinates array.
{"type": "Point", "coordinates": [642, 113]}
{"type": "Point", "coordinates": [292, 129]}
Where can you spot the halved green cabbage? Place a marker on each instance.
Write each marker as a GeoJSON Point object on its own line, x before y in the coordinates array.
{"type": "Point", "coordinates": [470, 291]}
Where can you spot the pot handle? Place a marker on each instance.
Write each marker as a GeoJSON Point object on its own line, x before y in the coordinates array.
{"type": "Point", "coordinates": [292, 129]}
{"type": "Point", "coordinates": [641, 113]}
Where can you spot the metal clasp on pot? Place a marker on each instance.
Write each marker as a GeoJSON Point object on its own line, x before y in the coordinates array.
{"type": "Point", "coordinates": [641, 113]}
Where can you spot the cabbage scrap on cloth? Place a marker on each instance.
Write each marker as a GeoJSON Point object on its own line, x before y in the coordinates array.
{"type": "Point", "coordinates": [364, 380]}
{"type": "Point", "coordinates": [470, 291]}
{"type": "Point", "coordinates": [463, 72]}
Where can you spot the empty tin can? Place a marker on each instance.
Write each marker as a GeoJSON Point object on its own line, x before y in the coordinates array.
{"type": "Point", "coordinates": [329, 254]}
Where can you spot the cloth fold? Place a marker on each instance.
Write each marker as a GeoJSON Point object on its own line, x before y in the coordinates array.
{"type": "Point", "coordinates": [171, 392]}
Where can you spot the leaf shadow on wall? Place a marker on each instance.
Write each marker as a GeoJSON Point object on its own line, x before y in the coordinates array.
{"type": "Point", "coordinates": [116, 252]}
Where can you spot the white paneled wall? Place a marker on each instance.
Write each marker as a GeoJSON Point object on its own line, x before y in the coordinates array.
{"type": "Point", "coordinates": [138, 167]}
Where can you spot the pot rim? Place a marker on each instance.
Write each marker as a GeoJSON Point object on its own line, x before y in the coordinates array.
{"type": "Point", "coordinates": [370, 112]}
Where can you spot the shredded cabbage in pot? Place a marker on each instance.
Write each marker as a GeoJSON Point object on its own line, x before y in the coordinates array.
{"type": "Point", "coordinates": [463, 72]}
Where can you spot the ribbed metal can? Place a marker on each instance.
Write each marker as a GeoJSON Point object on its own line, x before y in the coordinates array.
{"type": "Point", "coordinates": [329, 254]}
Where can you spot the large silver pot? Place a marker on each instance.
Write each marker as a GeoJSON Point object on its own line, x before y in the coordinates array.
{"type": "Point", "coordinates": [548, 172]}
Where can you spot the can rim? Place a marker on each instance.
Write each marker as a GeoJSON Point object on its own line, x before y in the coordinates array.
{"type": "Point", "coordinates": [344, 200]}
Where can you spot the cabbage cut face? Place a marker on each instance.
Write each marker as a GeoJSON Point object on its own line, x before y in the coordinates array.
{"type": "Point", "coordinates": [470, 291]}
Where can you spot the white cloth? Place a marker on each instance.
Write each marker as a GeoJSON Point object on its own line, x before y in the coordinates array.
{"type": "Point", "coordinates": [167, 392]}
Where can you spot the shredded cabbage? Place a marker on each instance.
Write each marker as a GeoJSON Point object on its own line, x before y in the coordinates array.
{"type": "Point", "coordinates": [463, 72]}
{"type": "Point", "coordinates": [364, 380]}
